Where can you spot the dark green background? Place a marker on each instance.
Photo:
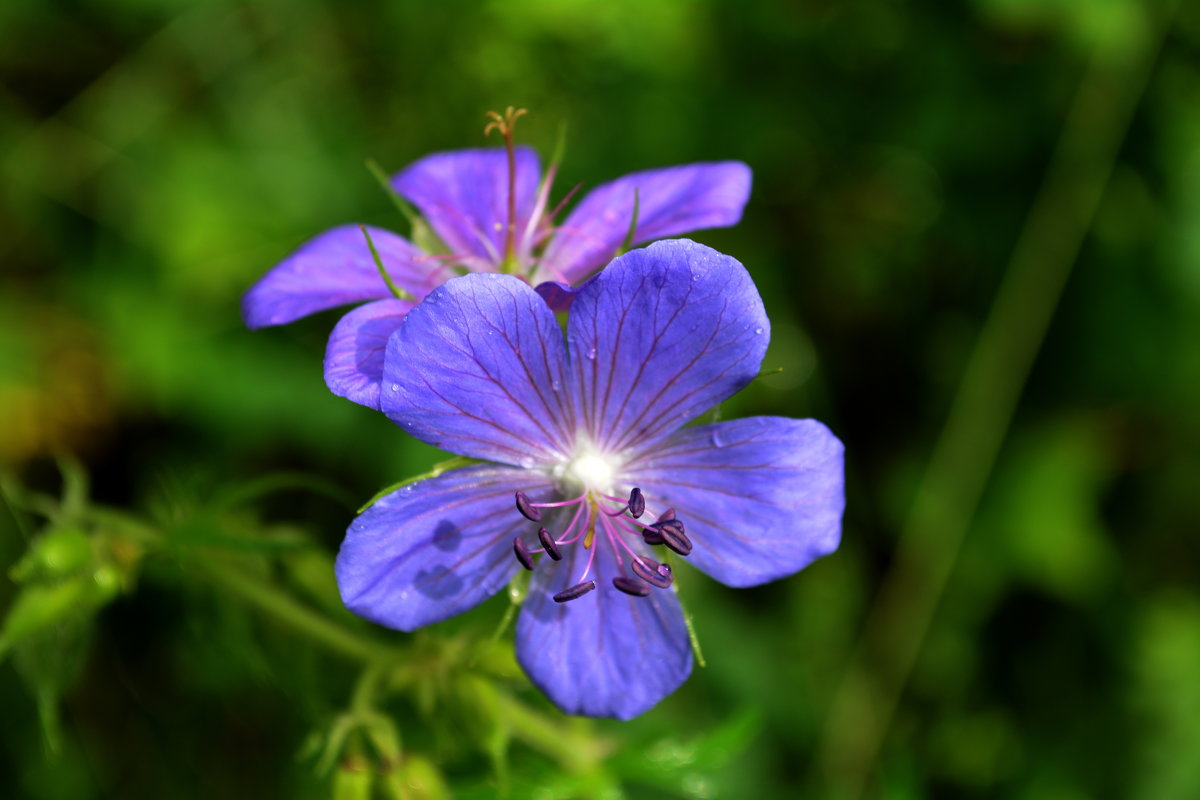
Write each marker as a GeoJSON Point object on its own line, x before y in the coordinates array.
{"type": "Point", "coordinates": [158, 157]}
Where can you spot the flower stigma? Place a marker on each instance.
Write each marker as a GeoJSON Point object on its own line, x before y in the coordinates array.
{"type": "Point", "coordinates": [505, 125]}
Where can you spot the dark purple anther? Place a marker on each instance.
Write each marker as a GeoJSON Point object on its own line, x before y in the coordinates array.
{"type": "Point", "coordinates": [578, 590]}
{"type": "Point", "coordinates": [651, 534]}
{"type": "Point", "coordinates": [637, 503]}
{"type": "Point", "coordinates": [652, 572]}
{"type": "Point", "coordinates": [631, 586]}
{"type": "Point", "coordinates": [548, 543]}
{"type": "Point", "coordinates": [666, 515]}
{"type": "Point", "coordinates": [526, 508]}
{"type": "Point", "coordinates": [677, 524]}
{"type": "Point", "coordinates": [522, 553]}
{"type": "Point", "coordinates": [676, 539]}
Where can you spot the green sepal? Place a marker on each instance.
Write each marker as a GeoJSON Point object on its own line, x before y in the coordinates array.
{"type": "Point", "coordinates": [420, 234]}
{"type": "Point", "coordinates": [633, 221]}
{"type": "Point", "coordinates": [396, 291]}
{"type": "Point", "coordinates": [762, 373]}
{"type": "Point", "coordinates": [560, 147]}
{"type": "Point", "coordinates": [693, 638]}
{"type": "Point", "coordinates": [441, 467]}
{"type": "Point", "coordinates": [355, 776]}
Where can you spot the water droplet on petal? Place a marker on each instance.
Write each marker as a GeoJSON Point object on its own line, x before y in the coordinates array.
{"type": "Point", "coordinates": [395, 387]}
{"type": "Point", "coordinates": [758, 330]}
{"type": "Point", "coordinates": [591, 353]}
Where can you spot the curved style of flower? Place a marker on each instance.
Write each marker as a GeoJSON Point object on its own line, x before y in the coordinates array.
{"type": "Point", "coordinates": [585, 438]}
{"type": "Point", "coordinates": [488, 208]}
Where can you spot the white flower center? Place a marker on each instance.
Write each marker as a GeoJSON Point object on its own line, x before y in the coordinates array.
{"type": "Point", "coordinates": [592, 471]}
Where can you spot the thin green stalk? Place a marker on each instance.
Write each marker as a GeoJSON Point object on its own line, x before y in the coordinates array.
{"type": "Point", "coordinates": [962, 460]}
{"type": "Point", "coordinates": [297, 616]}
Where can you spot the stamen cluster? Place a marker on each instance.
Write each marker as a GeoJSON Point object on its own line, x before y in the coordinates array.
{"type": "Point", "coordinates": [616, 523]}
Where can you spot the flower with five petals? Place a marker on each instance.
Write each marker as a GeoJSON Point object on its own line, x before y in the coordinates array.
{"type": "Point", "coordinates": [590, 475]}
{"type": "Point", "coordinates": [488, 209]}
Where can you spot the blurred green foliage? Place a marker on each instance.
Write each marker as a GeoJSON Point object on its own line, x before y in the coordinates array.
{"type": "Point", "coordinates": [172, 629]}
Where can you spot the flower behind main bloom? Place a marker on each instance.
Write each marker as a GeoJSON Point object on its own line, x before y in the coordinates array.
{"type": "Point", "coordinates": [465, 197]}
{"type": "Point", "coordinates": [590, 466]}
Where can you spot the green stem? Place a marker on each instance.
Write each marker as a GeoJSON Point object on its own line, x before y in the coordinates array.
{"type": "Point", "coordinates": [576, 753]}
{"type": "Point", "coordinates": [962, 460]}
{"type": "Point", "coordinates": [299, 617]}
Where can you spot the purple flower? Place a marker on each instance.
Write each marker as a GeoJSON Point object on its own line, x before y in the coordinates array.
{"type": "Point", "coordinates": [590, 477]}
{"type": "Point", "coordinates": [488, 209]}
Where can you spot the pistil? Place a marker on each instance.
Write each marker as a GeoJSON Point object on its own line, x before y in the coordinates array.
{"type": "Point", "coordinates": [505, 125]}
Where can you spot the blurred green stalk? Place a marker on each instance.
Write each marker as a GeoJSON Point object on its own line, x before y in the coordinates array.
{"type": "Point", "coordinates": [996, 373]}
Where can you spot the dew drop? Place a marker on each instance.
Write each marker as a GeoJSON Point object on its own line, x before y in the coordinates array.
{"type": "Point", "coordinates": [591, 353]}
{"type": "Point", "coordinates": [758, 330]}
{"type": "Point", "coordinates": [395, 387]}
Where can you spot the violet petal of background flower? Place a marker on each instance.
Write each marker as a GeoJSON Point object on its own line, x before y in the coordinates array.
{"type": "Point", "coordinates": [334, 269]}
{"type": "Point", "coordinates": [434, 548]}
{"type": "Point", "coordinates": [559, 296]}
{"type": "Point", "coordinates": [354, 355]}
{"type": "Point", "coordinates": [477, 370]}
{"type": "Point", "coordinates": [664, 333]}
{"type": "Point", "coordinates": [761, 497]}
{"type": "Point", "coordinates": [463, 194]}
{"type": "Point", "coordinates": [606, 654]}
{"type": "Point", "coordinates": [671, 201]}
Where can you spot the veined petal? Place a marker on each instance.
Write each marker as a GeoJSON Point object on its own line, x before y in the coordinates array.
{"type": "Point", "coordinates": [478, 369]}
{"type": "Point", "coordinates": [606, 654]}
{"type": "Point", "coordinates": [464, 196]}
{"type": "Point", "coordinates": [334, 269]}
{"type": "Point", "coordinates": [661, 335]}
{"type": "Point", "coordinates": [761, 497]}
{"type": "Point", "coordinates": [354, 355]}
{"type": "Point", "coordinates": [435, 548]}
{"type": "Point", "coordinates": [671, 201]}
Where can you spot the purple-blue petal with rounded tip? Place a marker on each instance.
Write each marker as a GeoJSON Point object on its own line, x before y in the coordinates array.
{"type": "Point", "coordinates": [354, 355]}
{"type": "Point", "coordinates": [435, 548]}
{"type": "Point", "coordinates": [671, 201]}
{"type": "Point", "coordinates": [760, 497]}
{"type": "Point", "coordinates": [605, 654]}
{"type": "Point", "coordinates": [463, 194]}
{"type": "Point", "coordinates": [477, 369]}
{"type": "Point", "coordinates": [559, 296]}
{"type": "Point", "coordinates": [663, 334]}
{"type": "Point", "coordinates": [334, 269]}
